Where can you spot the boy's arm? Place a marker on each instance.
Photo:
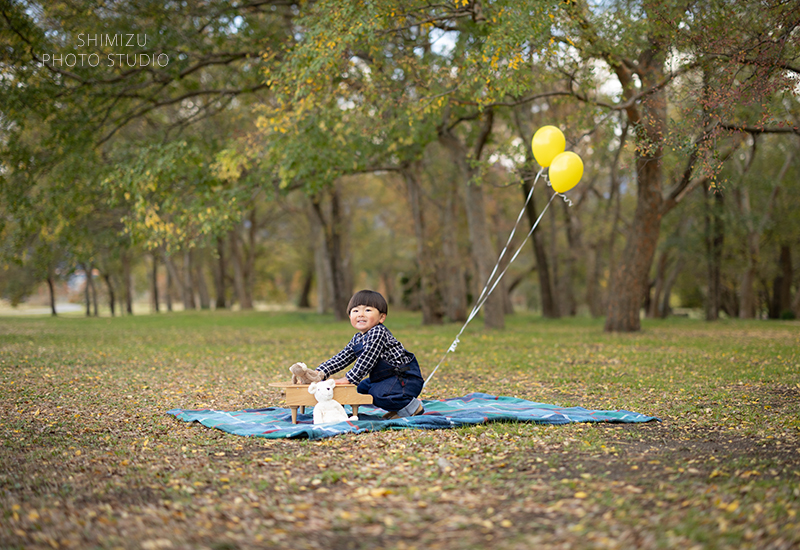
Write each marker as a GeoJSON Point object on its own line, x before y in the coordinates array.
{"type": "Point", "coordinates": [374, 342]}
{"type": "Point", "coordinates": [338, 362]}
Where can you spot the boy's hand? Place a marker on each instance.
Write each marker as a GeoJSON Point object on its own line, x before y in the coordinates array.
{"type": "Point", "coordinates": [340, 381]}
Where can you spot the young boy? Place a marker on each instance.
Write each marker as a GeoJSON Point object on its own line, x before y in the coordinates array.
{"type": "Point", "coordinates": [383, 369]}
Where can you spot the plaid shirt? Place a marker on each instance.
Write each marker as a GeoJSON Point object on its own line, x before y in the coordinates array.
{"type": "Point", "coordinates": [378, 344]}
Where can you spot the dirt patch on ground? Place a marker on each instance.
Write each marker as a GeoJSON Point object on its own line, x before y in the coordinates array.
{"type": "Point", "coordinates": [656, 450]}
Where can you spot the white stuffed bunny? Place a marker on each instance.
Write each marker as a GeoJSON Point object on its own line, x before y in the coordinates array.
{"type": "Point", "coordinates": [327, 408]}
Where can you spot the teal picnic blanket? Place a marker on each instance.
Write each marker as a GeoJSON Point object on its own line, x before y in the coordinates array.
{"type": "Point", "coordinates": [474, 408]}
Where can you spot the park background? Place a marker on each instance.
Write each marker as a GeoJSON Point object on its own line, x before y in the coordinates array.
{"type": "Point", "coordinates": [288, 155]}
{"type": "Point", "coordinates": [240, 168]}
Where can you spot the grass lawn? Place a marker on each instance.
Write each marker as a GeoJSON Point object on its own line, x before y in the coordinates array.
{"type": "Point", "coordinates": [89, 459]}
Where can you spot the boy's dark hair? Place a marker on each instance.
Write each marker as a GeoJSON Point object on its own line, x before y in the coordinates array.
{"type": "Point", "coordinates": [368, 298]}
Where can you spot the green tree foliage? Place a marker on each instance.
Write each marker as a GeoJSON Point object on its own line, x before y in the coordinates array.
{"type": "Point", "coordinates": [372, 84]}
{"type": "Point", "coordinates": [170, 198]}
{"type": "Point", "coordinates": [82, 84]}
{"type": "Point", "coordinates": [93, 69]}
{"type": "Point", "coordinates": [683, 74]}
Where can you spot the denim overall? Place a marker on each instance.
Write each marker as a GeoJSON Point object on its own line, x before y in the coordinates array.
{"type": "Point", "coordinates": [391, 387]}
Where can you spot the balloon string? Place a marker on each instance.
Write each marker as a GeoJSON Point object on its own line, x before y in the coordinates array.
{"type": "Point", "coordinates": [519, 249]}
{"type": "Point", "coordinates": [485, 294]}
{"type": "Point", "coordinates": [511, 236]}
{"type": "Point", "coordinates": [562, 195]}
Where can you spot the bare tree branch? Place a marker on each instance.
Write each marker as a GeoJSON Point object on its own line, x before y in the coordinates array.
{"type": "Point", "coordinates": [632, 100]}
{"type": "Point", "coordinates": [483, 137]}
{"type": "Point", "coordinates": [143, 110]}
{"type": "Point", "coordinates": [756, 130]}
{"type": "Point", "coordinates": [687, 184]}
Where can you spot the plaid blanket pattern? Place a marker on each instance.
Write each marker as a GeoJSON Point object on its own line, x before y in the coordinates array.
{"type": "Point", "coordinates": [474, 408]}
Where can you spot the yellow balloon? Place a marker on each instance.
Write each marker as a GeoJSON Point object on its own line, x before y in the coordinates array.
{"type": "Point", "coordinates": [565, 171]}
{"type": "Point", "coordinates": [548, 141]}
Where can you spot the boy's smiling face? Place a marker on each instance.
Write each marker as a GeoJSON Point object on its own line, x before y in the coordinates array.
{"type": "Point", "coordinates": [364, 318]}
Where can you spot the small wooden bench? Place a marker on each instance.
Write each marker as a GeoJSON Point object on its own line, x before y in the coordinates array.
{"type": "Point", "coordinates": [297, 396]}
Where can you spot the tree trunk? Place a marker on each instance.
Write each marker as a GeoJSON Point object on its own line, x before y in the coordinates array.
{"type": "Point", "coordinates": [599, 244]}
{"type": "Point", "coordinates": [250, 262]}
{"type": "Point", "coordinates": [567, 297]}
{"type": "Point", "coordinates": [202, 287]}
{"type": "Point", "coordinates": [111, 298]}
{"type": "Point", "coordinates": [646, 297]}
{"type": "Point", "coordinates": [170, 278]}
{"type": "Point", "coordinates": [715, 239]}
{"type": "Point", "coordinates": [782, 285]}
{"type": "Point", "coordinates": [614, 209]}
{"type": "Point", "coordinates": [499, 231]}
{"type": "Point", "coordinates": [762, 298]}
{"type": "Point", "coordinates": [238, 272]}
{"type": "Point", "coordinates": [387, 280]}
{"type": "Point", "coordinates": [51, 286]}
{"type": "Point", "coordinates": [552, 234]}
{"type": "Point", "coordinates": [748, 306]}
{"type": "Point", "coordinates": [547, 293]}
{"type": "Point", "coordinates": [796, 304]}
{"type": "Point", "coordinates": [747, 296]}
{"type": "Point", "coordinates": [188, 287]}
{"type": "Point", "coordinates": [787, 274]}
{"type": "Point", "coordinates": [453, 280]}
{"type": "Point", "coordinates": [154, 284]}
{"type": "Point", "coordinates": [93, 288]}
{"type": "Point", "coordinates": [547, 290]}
{"type": "Point", "coordinates": [483, 253]}
{"type": "Point", "coordinates": [729, 301]}
{"type": "Point", "coordinates": [333, 231]}
{"type": "Point", "coordinates": [774, 309]}
{"type": "Point", "coordinates": [321, 265]}
{"type": "Point", "coordinates": [127, 283]}
{"type": "Point", "coordinates": [612, 246]}
{"type": "Point", "coordinates": [86, 294]}
{"type": "Point", "coordinates": [430, 297]}
{"type": "Point", "coordinates": [658, 285]}
{"type": "Point", "coordinates": [593, 297]}
{"type": "Point", "coordinates": [218, 269]}
{"type": "Point", "coordinates": [665, 309]}
{"type": "Point", "coordinates": [304, 299]}
{"type": "Point", "coordinates": [174, 279]}
{"type": "Point", "coordinates": [630, 278]}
